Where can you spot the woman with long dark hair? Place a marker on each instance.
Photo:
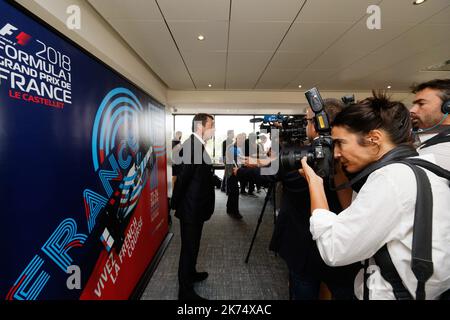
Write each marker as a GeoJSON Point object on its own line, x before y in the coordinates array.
{"type": "Point", "coordinates": [382, 214]}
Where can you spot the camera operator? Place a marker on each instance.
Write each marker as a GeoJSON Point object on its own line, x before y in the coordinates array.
{"type": "Point", "coordinates": [429, 114]}
{"type": "Point", "coordinates": [292, 239]}
{"type": "Point", "coordinates": [381, 218]}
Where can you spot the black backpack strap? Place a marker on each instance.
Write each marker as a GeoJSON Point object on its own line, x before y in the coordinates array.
{"type": "Point", "coordinates": [390, 274]}
{"type": "Point", "coordinates": [437, 170]}
{"type": "Point", "coordinates": [399, 153]}
{"type": "Point", "coordinates": [366, 278]}
{"type": "Point", "coordinates": [421, 261]}
{"type": "Point", "coordinates": [442, 137]}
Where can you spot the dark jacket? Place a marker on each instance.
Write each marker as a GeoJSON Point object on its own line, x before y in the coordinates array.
{"type": "Point", "coordinates": [291, 237]}
{"type": "Point", "coordinates": [193, 197]}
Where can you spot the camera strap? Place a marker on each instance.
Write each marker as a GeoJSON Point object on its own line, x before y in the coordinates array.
{"type": "Point", "coordinates": [396, 154]}
{"type": "Point", "coordinates": [421, 259]}
{"type": "Point", "coordinates": [442, 137]}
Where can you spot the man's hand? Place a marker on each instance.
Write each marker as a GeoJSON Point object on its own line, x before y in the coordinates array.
{"type": "Point", "coordinates": [235, 170]}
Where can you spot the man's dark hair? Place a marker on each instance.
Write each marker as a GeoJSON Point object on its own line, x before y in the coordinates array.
{"type": "Point", "coordinates": [203, 117]}
{"type": "Point", "coordinates": [442, 85]}
{"type": "Point", "coordinates": [332, 107]}
{"type": "Point", "coordinates": [377, 112]}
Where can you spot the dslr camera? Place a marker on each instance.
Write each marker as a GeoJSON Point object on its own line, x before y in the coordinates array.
{"type": "Point", "coordinates": [320, 153]}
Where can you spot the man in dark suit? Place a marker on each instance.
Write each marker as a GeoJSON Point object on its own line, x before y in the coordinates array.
{"type": "Point", "coordinates": [193, 200]}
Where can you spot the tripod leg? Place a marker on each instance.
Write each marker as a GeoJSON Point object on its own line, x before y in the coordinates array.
{"type": "Point", "coordinates": [274, 193]}
{"type": "Point", "coordinates": [269, 192]}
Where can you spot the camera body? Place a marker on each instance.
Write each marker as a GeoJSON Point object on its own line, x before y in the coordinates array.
{"type": "Point", "coordinates": [320, 153]}
{"type": "Point", "coordinates": [292, 128]}
{"type": "Point", "coordinates": [348, 99]}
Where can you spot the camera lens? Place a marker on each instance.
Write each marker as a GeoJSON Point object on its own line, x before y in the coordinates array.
{"type": "Point", "coordinates": [290, 158]}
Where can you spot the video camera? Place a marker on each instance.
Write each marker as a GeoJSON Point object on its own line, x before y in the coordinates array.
{"type": "Point", "coordinates": [348, 99]}
{"type": "Point", "coordinates": [292, 129]}
{"type": "Point", "coordinates": [320, 153]}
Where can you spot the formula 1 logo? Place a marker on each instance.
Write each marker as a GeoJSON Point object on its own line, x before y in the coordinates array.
{"type": "Point", "coordinates": [22, 38]}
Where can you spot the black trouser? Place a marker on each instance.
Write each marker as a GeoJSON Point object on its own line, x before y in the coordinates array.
{"type": "Point", "coordinates": [243, 183]}
{"type": "Point", "coordinates": [191, 234]}
{"type": "Point", "coordinates": [251, 186]}
{"type": "Point", "coordinates": [233, 195]}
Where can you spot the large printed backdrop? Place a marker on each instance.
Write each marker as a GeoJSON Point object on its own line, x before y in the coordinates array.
{"type": "Point", "coordinates": [82, 169]}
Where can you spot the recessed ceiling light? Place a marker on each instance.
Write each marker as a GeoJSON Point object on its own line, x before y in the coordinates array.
{"type": "Point", "coordinates": [201, 37]}
{"type": "Point", "coordinates": [299, 85]}
{"type": "Point", "coordinates": [210, 85]}
{"type": "Point", "coordinates": [389, 87]}
{"type": "Point", "coordinates": [419, 1]}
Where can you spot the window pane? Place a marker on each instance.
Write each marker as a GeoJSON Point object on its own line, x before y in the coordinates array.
{"type": "Point", "coordinates": [240, 124]}
{"type": "Point", "coordinates": [183, 123]}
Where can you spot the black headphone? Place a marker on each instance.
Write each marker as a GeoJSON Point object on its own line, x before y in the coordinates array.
{"type": "Point", "coordinates": [446, 107]}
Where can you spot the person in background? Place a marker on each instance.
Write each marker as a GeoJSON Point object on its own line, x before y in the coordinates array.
{"type": "Point", "coordinates": [235, 152]}
{"type": "Point", "coordinates": [227, 159]}
{"type": "Point", "coordinates": [429, 115]}
{"type": "Point", "coordinates": [176, 147]}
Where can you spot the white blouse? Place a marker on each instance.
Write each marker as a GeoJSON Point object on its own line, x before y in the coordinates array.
{"type": "Point", "coordinates": [440, 151]}
{"type": "Point", "coordinates": [383, 212]}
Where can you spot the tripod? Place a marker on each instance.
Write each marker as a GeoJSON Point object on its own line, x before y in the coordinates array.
{"type": "Point", "coordinates": [270, 192]}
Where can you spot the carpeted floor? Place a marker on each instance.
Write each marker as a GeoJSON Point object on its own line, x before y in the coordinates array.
{"type": "Point", "coordinates": [224, 246]}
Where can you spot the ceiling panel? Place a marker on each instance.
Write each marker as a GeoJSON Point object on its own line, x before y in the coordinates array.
{"type": "Point", "coordinates": [328, 44]}
{"type": "Point", "coordinates": [418, 39]}
{"type": "Point", "coordinates": [414, 66]}
{"type": "Point", "coordinates": [265, 10]}
{"type": "Point", "coordinates": [248, 60]}
{"type": "Point", "coordinates": [422, 40]}
{"type": "Point", "coordinates": [245, 68]}
{"type": "Point", "coordinates": [441, 18]}
{"type": "Point", "coordinates": [210, 59]}
{"type": "Point", "coordinates": [205, 76]}
{"type": "Point", "coordinates": [331, 59]}
{"type": "Point", "coordinates": [309, 78]}
{"type": "Point", "coordinates": [156, 48]}
{"type": "Point", "coordinates": [295, 60]}
{"type": "Point", "coordinates": [313, 36]}
{"type": "Point", "coordinates": [256, 36]}
{"type": "Point", "coordinates": [276, 78]}
{"type": "Point", "coordinates": [390, 10]}
{"type": "Point", "coordinates": [360, 38]}
{"type": "Point", "coordinates": [131, 9]}
{"type": "Point", "coordinates": [212, 10]}
{"type": "Point", "coordinates": [349, 86]}
{"type": "Point", "coordinates": [186, 33]}
{"type": "Point", "coordinates": [317, 11]}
